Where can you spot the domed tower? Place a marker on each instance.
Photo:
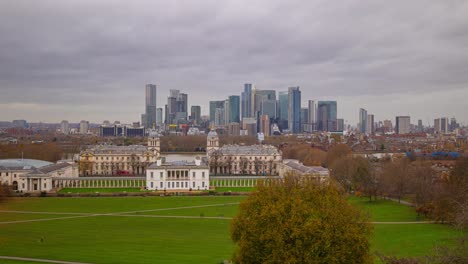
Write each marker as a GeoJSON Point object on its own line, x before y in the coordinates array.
{"type": "Point", "coordinates": [154, 143]}
{"type": "Point", "coordinates": [212, 143]}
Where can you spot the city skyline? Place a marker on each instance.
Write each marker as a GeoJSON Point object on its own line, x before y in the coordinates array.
{"type": "Point", "coordinates": [76, 61]}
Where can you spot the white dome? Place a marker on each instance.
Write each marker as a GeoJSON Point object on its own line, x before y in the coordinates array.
{"type": "Point", "coordinates": [212, 134]}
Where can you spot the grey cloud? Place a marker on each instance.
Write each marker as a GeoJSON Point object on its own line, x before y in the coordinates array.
{"type": "Point", "coordinates": [80, 54]}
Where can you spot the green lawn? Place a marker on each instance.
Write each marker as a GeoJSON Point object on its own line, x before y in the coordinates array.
{"type": "Point", "coordinates": [99, 190]}
{"type": "Point", "coordinates": [142, 236]}
{"type": "Point", "coordinates": [234, 189]}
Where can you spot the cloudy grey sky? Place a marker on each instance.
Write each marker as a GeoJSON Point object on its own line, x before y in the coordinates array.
{"type": "Point", "coordinates": [89, 59]}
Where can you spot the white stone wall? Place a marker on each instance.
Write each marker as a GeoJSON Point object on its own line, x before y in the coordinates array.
{"type": "Point", "coordinates": [157, 179]}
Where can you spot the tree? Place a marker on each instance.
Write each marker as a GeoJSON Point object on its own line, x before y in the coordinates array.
{"type": "Point", "coordinates": [396, 178]}
{"type": "Point", "coordinates": [5, 191]}
{"type": "Point", "coordinates": [296, 220]}
{"type": "Point", "coordinates": [336, 152]}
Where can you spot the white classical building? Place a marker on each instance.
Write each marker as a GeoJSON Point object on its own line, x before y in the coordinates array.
{"type": "Point", "coordinates": [241, 159]}
{"type": "Point", "coordinates": [26, 175]}
{"type": "Point", "coordinates": [119, 160]}
{"type": "Point", "coordinates": [178, 175]}
{"type": "Point", "coordinates": [296, 167]}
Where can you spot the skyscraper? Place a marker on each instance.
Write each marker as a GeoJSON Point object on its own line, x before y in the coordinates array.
{"type": "Point", "coordinates": [370, 128]}
{"type": "Point", "coordinates": [234, 109]}
{"type": "Point", "coordinates": [294, 110]}
{"type": "Point", "coordinates": [269, 108]}
{"type": "Point", "coordinates": [159, 117]}
{"type": "Point", "coordinates": [195, 114]}
{"type": "Point", "coordinates": [213, 106]}
{"type": "Point", "coordinates": [362, 120]}
{"type": "Point", "coordinates": [149, 117]}
{"type": "Point", "coordinates": [246, 100]}
{"type": "Point", "coordinates": [304, 119]}
{"type": "Point", "coordinates": [283, 109]}
{"type": "Point", "coordinates": [312, 113]}
{"type": "Point", "coordinates": [326, 116]}
{"type": "Point", "coordinates": [403, 124]}
{"type": "Point", "coordinates": [265, 125]}
{"type": "Point", "coordinates": [219, 117]}
{"type": "Point", "coordinates": [65, 127]}
{"type": "Point", "coordinates": [84, 127]}
{"type": "Point", "coordinates": [177, 107]}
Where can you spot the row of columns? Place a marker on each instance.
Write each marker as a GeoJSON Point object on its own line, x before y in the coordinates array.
{"type": "Point", "coordinates": [122, 183]}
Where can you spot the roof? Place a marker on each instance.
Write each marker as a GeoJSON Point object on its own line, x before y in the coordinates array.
{"type": "Point", "coordinates": [180, 164]}
{"type": "Point", "coordinates": [249, 150]}
{"type": "Point", "coordinates": [295, 165]}
{"type": "Point", "coordinates": [49, 168]}
{"type": "Point", "coordinates": [112, 149]}
{"type": "Point", "coordinates": [23, 164]}
{"type": "Point", "coordinates": [212, 134]}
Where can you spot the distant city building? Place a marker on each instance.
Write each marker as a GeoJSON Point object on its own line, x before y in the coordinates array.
{"type": "Point", "coordinates": [213, 106]}
{"type": "Point", "coordinates": [246, 101]}
{"type": "Point", "coordinates": [195, 114]}
{"type": "Point", "coordinates": [441, 125]}
{"type": "Point", "coordinates": [233, 129]}
{"type": "Point", "coordinates": [403, 125]}
{"type": "Point", "coordinates": [312, 115]}
{"type": "Point", "coordinates": [65, 127]}
{"type": "Point", "coordinates": [326, 115]}
{"type": "Point", "coordinates": [370, 128]}
{"type": "Point", "coordinates": [265, 125]}
{"type": "Point", "coordinates": [388, 126]}
{"type": "Point", "coordinates": [420, 126]}
{"type": "Point", "coordinates": [340, 125]}
{"type": "Point", "coordinates": [234, 109]}
{"type": "Point", "coordinates": [148, 119]}
{"type": "Point", "coordinates": [177, 107]}
{"type": "Point", "coordinates": [84, 127]}
{"type": "Point", "coordinates": [294, 110]}
{"type": "Point", "coordinates": [283, 109]}
{"type": "Point", "coordinates": [269, 108]}
{"type": "Point", "coordinates": [250, 125]}
{"type": "Point", "coordinates": [304, 119]}
{"type": "Point", "coordinates": [219, 117]}
{"type": "Point", "coordinates": [159, 117]}
{"type": "Point", "coordinates": [362, 120]}
{"type": "Point", "coordinates": [20, 123]}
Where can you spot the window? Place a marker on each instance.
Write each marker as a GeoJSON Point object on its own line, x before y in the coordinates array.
{"type": "Point", "coordinates": [177, 184]}
{"type": "Point", "coordinates": [186, 184]}
{"type": "Point", "coordinates": [151, 175]}
{"type": "Point", "coordinates": [23, 185]}
{"type": "Point", "coordinates": [161, 174]}
{"type": "Point", "coordinates": [151, 184]}
{"type": "Point", "coordinates": [203, 184]}
{"type": "Point", "coordinates": [161, 185]}
{"type": "Point", "coordinates": [172, 184]}
{"type": "Point", "coordinates": [45, 185]}
{"type": "Point", "coordinates": [193, 174]}
{"type": "Point", "coordinates": [193, 184]}
{"type": "Point", "coordinates": [203, 174]}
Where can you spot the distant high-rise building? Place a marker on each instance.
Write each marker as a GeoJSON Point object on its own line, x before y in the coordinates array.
{"type": "Point", "coordinates": [294, 110]}
{"type": "Point", "coordinates": [65, 127]}
{"type": "Point", "coordinates": [250, 125]}
{"type": "Point", "coordinates": [258, 97]}
{"type": "Point", "coordinates": [213, 106]}
{"type": "Point", "coordinates": [234, 109]}
{"type": "Point", "coordinates": [283, 110]}
{"type": "Point", "coordinates": [233, 129]}
{"type": "Point", "coordinates": [453, 124]}
{"type": "Point", "coordinates": [84, 127]}
{"type": "Point", "coordinates": [219, 117]}
{"type": "Point", "coordinates": [362, 120]}
{"type": "Point", "coordinates": [159, 117]}
{"type": "Point", "coordinates": [403, 125]}
{"type": "Point", "coordinates": [195, 114]}
{"type": "Point", "coordinates": [269, 108]}
{"type": "Point", "coordinates": [312, 113]}
{"type": "Point", "coordinates": [441, 125]}
{"type": "Point", "coordinates": [177, 107]}
{"type": "Point", "coordinates": [304, 119]}
{"type": "Point", "coordinates": [20, 123]}
{"type": "Point", "coordinates": [149, 117]}
{"type": "Point", "coordinates": [326, 115]}
{"type": "Point", "coordinates": [420, 126]}
{"type": "Point", "coordinates": [370, 128]}
{"type": "Point", "coordinates": [246, 101]}
{"type": "Point", "coordinates": [265, 125]}
{"type": "Point", "coordinates": [388, 126]}
{"type": "Point", "coordinates": [340, 125]}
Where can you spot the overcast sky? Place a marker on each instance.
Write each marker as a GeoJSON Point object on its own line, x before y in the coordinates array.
{"type": "Point", "coordinates": [91, 59]}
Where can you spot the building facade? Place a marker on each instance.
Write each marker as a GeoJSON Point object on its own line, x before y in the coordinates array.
{"type": "Point", "coordinates": [119, 160]}
{"type": "Point", "coordinates": [178, 175]}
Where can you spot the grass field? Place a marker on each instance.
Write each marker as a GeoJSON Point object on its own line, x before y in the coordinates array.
{"type": "Point", "coordinates": [99, 190]}
{"type": "Point", "coordinates": [170, 229]}
{"type": "Point", "coordinates": [234, 189]}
